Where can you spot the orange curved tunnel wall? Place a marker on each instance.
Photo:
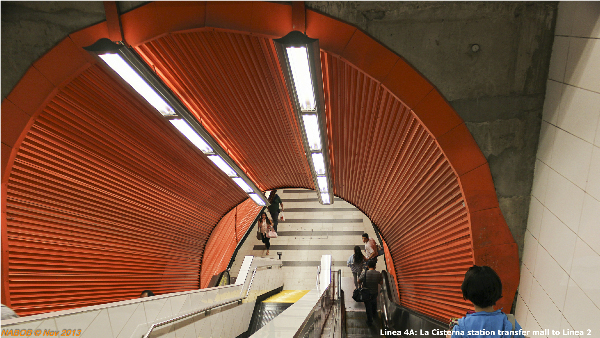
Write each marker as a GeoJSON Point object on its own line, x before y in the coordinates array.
{"type": "Point", "coordinates": [399, 153]}
{"type": "Point", "coordinates": [225, 237]}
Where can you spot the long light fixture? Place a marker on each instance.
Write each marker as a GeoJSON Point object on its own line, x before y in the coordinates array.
{"type": "Point", "coordinates": [299, 57]}
{"type": "Point", "coordinates": [128, 65]}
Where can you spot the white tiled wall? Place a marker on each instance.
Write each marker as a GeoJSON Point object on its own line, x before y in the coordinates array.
{"type": "Point", "coordinates": [132, 318]}
{"type": "Point", "coordinates": [560, 272]}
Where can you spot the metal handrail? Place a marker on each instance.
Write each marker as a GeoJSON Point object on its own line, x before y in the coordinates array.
{"type": "Point", "coordinates": [208, 308]}
{"type": "Point", "coordinates": [264, 267]}
{"type": "Point", "coordinates": [193, 313]}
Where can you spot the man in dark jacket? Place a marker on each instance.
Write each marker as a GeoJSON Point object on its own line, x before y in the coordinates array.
{"type": "Point", "coordinates": [371, 279]}
{"type": "Point", "coordinates": [275, 202]}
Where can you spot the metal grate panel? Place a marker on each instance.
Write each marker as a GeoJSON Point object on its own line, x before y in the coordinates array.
{"type": "Point", "coordinates": [233, 85]}
{"type": "Point", "coordinates": [386, 163]}
{"type": "Point", "coordinates": [106, 199]}
{"type": "Point", "coordinates": [225, 237]}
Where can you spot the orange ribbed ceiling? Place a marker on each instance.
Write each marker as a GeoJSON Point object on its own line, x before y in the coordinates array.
{"type": "Point", "coordinates": [386, 163]}
{"type": "Point", "coordinates": [106, 199]}
{"type": "Point", "coordinates": [233, 85]}
{"type": "Point", "coordinates": [398, 152]}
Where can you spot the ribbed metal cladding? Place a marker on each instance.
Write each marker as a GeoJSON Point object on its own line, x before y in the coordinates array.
{"type": "Point", "coordinates": [387, 164]}
{"type": "Point", "coordinates": [233, 85]}
{"type": "Point", "coordinates": [106, 199]}
{"type": "Point", "coordinates": [225, 237]}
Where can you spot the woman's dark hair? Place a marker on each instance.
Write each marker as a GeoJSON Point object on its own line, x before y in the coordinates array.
{"type": "Point", "coordinates": [482, 286]}
{"type": "Point", "coordinates": [148, 293]}
{"type": "Point", "coordinates": [358, 255]}
{"type": "Point", "coordinates": [267, 218]}
{"type": "Point", "coordinates": [272, 195]}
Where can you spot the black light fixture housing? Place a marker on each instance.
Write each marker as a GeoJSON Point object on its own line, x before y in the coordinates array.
{"type": "Point", "coordinates": [300, 60]}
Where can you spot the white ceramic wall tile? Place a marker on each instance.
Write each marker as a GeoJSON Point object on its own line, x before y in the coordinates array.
{"type": "Point", "coordinates": [80, 321]}
{"type": "Point", "coordinates": [177, 303]}
{"type": "Point", "coordinates": [552, 101]}
{"type": "Point", "coordinates": [571, 157]}
{"type": "Point", "coordinates": [185, 329]}
{"type": "Point", "coordinates": [203, 328]}
{"type": "Point", "coordinates": [530, 251]}
{"type": "Point", "coordinates": [158, 310]}
{"type": "Point", "coordinates": [582, 64]}
{"type": "Point", "coordinates": [50, 326]}
{"type": "Point", "coordinates": [534, 221]}
{"type": "Point", "coordinates": [564, 199]}
{"type": "Point", "coordinates": [546, 142]}
{"type": "Point", "coordinates": [587, 23]}
{"type": "Point", "coordinates": [525, 283]}
{"type": "Point", "coordinates": [540, 180]}
{"type": "Point", "coordinates": [543, 309]}
{"type": "Point", "coordinates": [216, 324]}
{"type": "Point", "coordinates": [119, 316]}
{"type": "Point", "coordinates": [521, 312]}
{"type": "Point", "coordinates": [564, 19]}
{"type": "Point", "coordinates": [579, 112]}
{"type": "Point", "coordinates": [558, 240]}
{"type": "Point", "coordinates": [100, 327]}
{"type": "Point", "coordinates": [593, 180]}
{"type": "Point", "coordinates": [564, 325]}
{"type": "Point", "coordinates": [586, 270]}
{"type": "Point", "coordinates": [597, 139]}
{"type": "Point", "coordinates": [589, 227]}
{"type": "Point", "coordinates": [162, 332]}
{"type": "Point", "coordinates": [558, 59]}
{"type": "Point", "coordinates": [532, 323]}
{"type": "Point", "coordinates": [553, 279]}
{"type": "Point", "coordinates": [579, 310]}
{"type": "Point", "coordinates": [136, 322]}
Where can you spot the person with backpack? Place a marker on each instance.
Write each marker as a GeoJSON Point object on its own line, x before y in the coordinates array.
{"type": "Point", "coordinates": [371, 279]}
{"type": "Point", "coordinates": [483, 288]}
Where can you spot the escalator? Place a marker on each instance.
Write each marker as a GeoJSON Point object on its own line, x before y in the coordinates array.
{"type": "Point", "coordinates": [269, 306]}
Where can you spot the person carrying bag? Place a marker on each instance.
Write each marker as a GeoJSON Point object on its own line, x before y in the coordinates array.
{"type": "Point", "coordinates": [265, 228]}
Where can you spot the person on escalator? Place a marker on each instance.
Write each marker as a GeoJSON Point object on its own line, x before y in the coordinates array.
{"type": "Point", "coordinates": [357, 263]}
{"type": "Point", "coordinates": [371, 279]}
{"type": "Point", "coordinates": [483, 288]}
{"type": "Point", "coordinates": [264, 224]}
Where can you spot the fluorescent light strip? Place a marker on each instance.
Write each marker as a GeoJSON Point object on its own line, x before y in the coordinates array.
{"type": "Point", "coordinates": [298, 58]}
{"type": "Point", "coordinates": [116, 62]}
{"type": "Point", "coordinates": [242, 184]}
{"type": "Point", "coordinates": [318, 163]}
{"type": "Point", "coordinates": [325, 198]}
{"type": "Point", "coordinates": [322, 182]}
{"type": "Point", "coordinates": [311, 126]}
{"type": "Point", "coordinates": [256, 199]}
{"type": "Point", "coordinates": [191, 135]}
{"type": "Point", "coordinates": [219, 162]}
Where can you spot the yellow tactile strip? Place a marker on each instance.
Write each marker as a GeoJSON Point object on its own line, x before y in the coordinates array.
{"type": "Point", "coordinates": [286, 296]}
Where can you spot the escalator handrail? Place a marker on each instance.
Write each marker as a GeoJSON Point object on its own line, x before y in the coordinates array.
{"type": "Point", "coordinates": [190, 314]}
{"type": "Point", "coordinates": [213, 306]}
